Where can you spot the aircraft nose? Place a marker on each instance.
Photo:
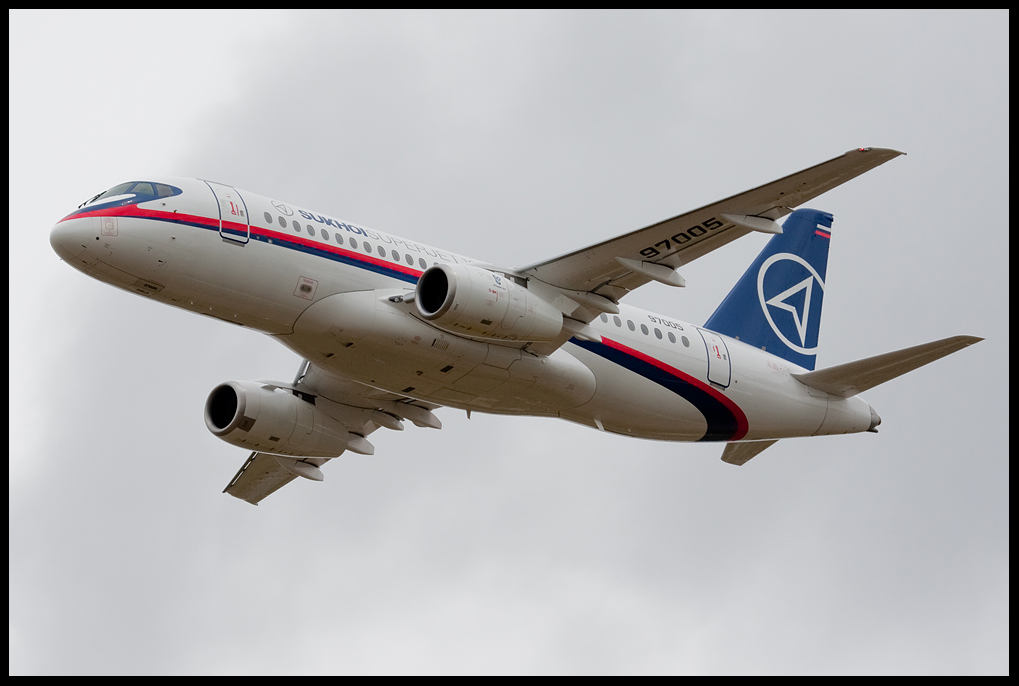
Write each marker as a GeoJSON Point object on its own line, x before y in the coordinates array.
{"type": "Point", "coordinates": [68, 240]}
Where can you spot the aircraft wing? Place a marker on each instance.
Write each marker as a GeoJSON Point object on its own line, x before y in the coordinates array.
{"type": "Point", "coordinates": [617, 266]}
{"type": "Point", "coordinates": [260, 476]}
{"type": "Point", "coordinates": [361, 409]}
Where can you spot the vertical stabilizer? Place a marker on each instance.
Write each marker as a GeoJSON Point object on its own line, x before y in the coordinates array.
{"type": "Point", "coordinates": [776, 305]}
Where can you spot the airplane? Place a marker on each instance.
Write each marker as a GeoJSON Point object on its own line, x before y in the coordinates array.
{"type": "Point", "coordinates": [390, 329]}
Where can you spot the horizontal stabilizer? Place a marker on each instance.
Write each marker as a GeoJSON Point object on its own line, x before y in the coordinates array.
{"type": "Point", "coordinates": [741, 453]}
{"type": "Point", "coordinates": [846, 380]}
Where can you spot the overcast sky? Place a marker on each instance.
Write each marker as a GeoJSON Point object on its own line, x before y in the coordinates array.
{"type": "Point", "coordinates": [499, 544]}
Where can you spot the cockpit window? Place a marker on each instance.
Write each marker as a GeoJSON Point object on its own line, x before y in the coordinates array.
{"type": "Point", "coordinates": [142, 190]}
{"type": "Point", "coordinates": [116, 190]}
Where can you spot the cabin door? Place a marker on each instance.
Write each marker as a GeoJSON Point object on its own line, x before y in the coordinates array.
{"type": "Point", "coordinates": [719, 365]}
{"type": "Point", "coordinates": [233, 214]}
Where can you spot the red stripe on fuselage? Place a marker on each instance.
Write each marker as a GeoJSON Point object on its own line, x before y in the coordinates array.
{"type": "Point", "coordinates": [134, 211]}
{"type": "Point", "coordinates": [742, 423]}
{"type": "Point", "coordinates": [142, 213]}
{"type": "Point", "coordinates": [317, 245]}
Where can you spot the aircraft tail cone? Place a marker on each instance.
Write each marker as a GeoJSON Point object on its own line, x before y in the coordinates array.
{"type": "Point", "coordinates": [875, 420]}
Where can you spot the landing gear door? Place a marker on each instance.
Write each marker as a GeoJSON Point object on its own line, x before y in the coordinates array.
{"type": "Point", "coordinates": [233, 213]}
{"type": "Point", "coordinates": [719, 365]}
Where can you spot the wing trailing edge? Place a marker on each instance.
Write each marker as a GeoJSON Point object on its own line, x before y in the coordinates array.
{"type": "Point", "coordinates": [260, 476]}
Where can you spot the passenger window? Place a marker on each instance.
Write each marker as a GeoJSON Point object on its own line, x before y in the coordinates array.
{"type": "Point", "coordinates": [353, 244]}
{"type": "Point", "coordinates": [283, 223]}
{"type": "Point", "coordinates": [618, 321]}
{"type": "Point", "coordinates": [658, 334]}
{"type": "Point", "coordinates": [311, 230]}
{"type": "Point", "coordinates": [410, 260]}
{"type": "Point", "coordinates": [368, 247]}
{"type": "Point", "coordinates": [382, 251]}
{"type": "Point", "coordinates": [672, 337]}
{"type": "Point", "coordinates": [630, 325]}
{"type": "Point", "coordinates": [686, 341]}
{"type": "Point", "coordinates": [605, 318]}
{"type": "Point", "coordinates": [339, 239]}
{"type": "Point", "coordinates": [268, 218]}
{"type": "Point", "coordinates": [643, 329]}
{"type": "Point", "coordinates": [325, 235]}
{"type": "Point", "coordinates": [421, 261]}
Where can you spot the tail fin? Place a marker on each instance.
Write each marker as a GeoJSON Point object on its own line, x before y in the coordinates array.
{"type": "Point", "coordinates": [776, 304]}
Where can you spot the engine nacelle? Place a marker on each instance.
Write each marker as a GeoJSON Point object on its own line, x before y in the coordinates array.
{"type": "Point", "coordinates": [258, 417]}
{"type": "Point", "coordinates": [471, 301]}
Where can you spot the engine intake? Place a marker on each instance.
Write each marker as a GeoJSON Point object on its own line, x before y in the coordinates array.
{"type": "Point", "coordinates": [267, 419]}
{"type": "Point", "coordinates": [471, 301]}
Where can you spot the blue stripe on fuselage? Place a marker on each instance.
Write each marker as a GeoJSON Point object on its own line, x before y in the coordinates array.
{"type": "Point", "coordinates": [723, 424]}
{"type": "Point", "coordinates": [306, 246]}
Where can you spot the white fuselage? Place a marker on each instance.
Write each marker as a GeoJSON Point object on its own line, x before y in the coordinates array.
{"type": "Point", "coordinates": [333, 292]}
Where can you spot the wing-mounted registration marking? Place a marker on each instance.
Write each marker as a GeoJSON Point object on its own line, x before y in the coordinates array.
{"type": "Point", "coordinates": [686, 237]}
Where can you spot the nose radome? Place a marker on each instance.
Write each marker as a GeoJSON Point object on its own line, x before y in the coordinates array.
{"type": "Point", "coordinates": [69, 239]}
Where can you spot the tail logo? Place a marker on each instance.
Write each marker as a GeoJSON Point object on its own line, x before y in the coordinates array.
{"type": "Point", "coordinates": [795, 299]}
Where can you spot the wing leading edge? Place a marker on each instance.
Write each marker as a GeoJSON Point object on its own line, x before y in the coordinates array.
{"type": "Point", "coordinates": [615, 267]}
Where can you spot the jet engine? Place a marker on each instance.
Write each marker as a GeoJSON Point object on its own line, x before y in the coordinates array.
{"type": "Point", "coordinates": [471, 301]}
{"type": "Point", "coordinates": [268, 419]}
